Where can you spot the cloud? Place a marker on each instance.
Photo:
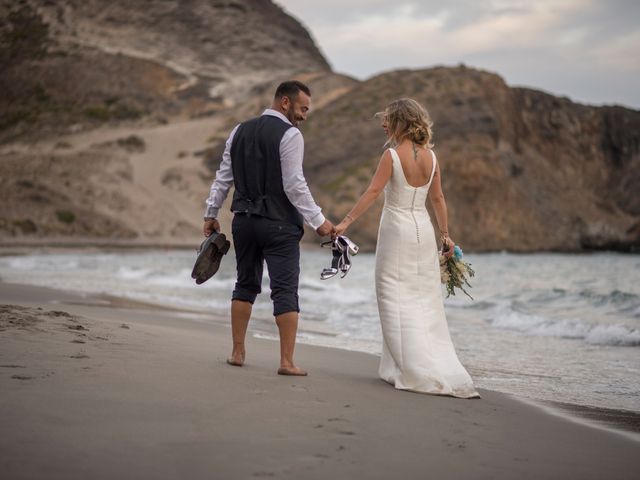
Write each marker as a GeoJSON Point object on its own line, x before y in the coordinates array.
{"type": "Point", "coordinates": [546, 41]}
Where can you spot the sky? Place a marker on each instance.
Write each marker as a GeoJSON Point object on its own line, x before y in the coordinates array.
{"type": "Point", "coordinates": [587, 50]}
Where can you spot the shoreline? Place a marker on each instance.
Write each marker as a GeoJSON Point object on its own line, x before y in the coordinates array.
{"type": "Point", "coordinates": [151, 388]}
{"type": "Point", "coordinates": [25, 245]}
{"type": "Point", "coordinates": [616, 420]}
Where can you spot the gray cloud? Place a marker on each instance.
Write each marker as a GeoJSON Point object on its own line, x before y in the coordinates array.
{"type": "Point", "coordinates": [588, 50]}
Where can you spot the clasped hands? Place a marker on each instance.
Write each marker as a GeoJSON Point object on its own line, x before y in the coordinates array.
{"type": "Point", "coordinates": [327, 228]}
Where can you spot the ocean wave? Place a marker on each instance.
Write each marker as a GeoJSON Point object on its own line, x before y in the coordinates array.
{"type": "Point", "coordinates": [615, 297]}
{"type": "Point", "coordinates": [549, 295]}
{"type": "Point", "coordinates": [613, 335]}
{"type": "Point", "coordinates": [481, 305]}
{"type": "Point", "coordinates": [132, 273]}
{"type": "Point", "coordinates": [530, 324]}
{"type": "Point", "coordinates": [334, 295]}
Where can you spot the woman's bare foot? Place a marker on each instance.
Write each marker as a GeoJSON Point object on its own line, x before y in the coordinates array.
{"type": "Point", "coordinates": [295, 371]}
{"type": "Point", "coordinates": [236, 359]}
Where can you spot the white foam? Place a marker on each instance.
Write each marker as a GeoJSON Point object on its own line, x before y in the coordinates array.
{"type": "Point", "coordinates": [132, 273]}
{"type": "Point", "coordinates": [613, 335]}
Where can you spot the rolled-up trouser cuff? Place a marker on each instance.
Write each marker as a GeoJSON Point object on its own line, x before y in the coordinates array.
{"type": "Point", "coordinates": [244, 295]}
{"type": "Point", "coordinates": [286, 305]}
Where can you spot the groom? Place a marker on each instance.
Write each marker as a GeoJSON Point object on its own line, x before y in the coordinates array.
{"type": "Point", "coordinates": [263, 159]}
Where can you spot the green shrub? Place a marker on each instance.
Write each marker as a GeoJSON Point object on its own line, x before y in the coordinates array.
{"type": "Point", "coordinates": [13, 118]}
{"type": "Point", "coordinates": [97, 112]}
{"type": "Point", "coordinates": [110, 111]}
{"type": "Point", "coordinates": [65, 216]}
{"type": "Point", "coordinates": [27, 225]}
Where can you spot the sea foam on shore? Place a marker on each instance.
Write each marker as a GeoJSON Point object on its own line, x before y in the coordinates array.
{"type": "Point", "coordinates": [546, 326]}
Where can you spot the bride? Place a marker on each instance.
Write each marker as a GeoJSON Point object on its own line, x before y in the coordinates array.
{"type": "Point", "coordinates": [417, 352]}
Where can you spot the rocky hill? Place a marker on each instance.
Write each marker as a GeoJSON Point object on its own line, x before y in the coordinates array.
{"type": "Point", "coordinates": [109, 110]}
{"type": "Point", "coordinates": [522, 170]}
{"type": "Point", "coordinates": [79, 63]}
{"type": "Point", "coordinates": [113, 114]}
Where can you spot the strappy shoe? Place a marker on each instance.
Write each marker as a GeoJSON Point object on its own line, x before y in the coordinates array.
{"type": "Point", "coordinates": [347, 248]}
{"type": "Point", "coordinates": [345, 263]}
{"type": "Point", "coordinates": [353, 248]}
{"type": "Point", "coordinates": [342, 248]}
{"type": "Point", "coordinates": [335, 260]}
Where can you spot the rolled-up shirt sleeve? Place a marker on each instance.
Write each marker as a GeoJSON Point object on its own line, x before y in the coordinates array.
{"type": "Point", "coordinates": [223, 181]}
{"type": "Point", "coordinates": [293, 181]}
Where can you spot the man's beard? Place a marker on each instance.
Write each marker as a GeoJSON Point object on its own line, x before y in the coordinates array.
{"type": "Point", "coordinates": [291, 116]}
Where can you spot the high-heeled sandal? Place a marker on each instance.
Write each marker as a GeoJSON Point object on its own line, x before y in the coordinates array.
{"type": "Point", "coordinates": [344, 265]}
{"type": "Point", "coordinates": [335, 260]}
{"type": "Point", "coordinates": [347, 248]}
{"type": "Point", "coordinates": [353, 248]}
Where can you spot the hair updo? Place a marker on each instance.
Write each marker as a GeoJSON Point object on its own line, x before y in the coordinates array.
{"type": "Point", "coordinates": [406, 118]}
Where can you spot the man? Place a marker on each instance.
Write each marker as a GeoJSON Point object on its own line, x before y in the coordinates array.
{"type": "Point", "coordinates": [263, 158]}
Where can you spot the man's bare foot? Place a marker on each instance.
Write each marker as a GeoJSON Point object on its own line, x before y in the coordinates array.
{"type": "Point", "coordinates": [295, 371]}
{"type": "Point", "coordinates": [236, 359]}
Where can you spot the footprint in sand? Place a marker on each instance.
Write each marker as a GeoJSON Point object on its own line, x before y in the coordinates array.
{"type": "Point", "coordinates": [78, 341]}
{"type": "Point", "coordinates": [21, 377]}
{"type": "Point", "coordinates": [76, 327]}
{"type": "Point", "coordinates": [79, 355]}
{"type": "Point", "coordinates": [456, 445]}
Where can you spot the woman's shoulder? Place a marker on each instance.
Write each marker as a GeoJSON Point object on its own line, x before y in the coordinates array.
{"type": "Point", "coordinates": [389, 152]}
{"type": "Point", "coordinates": [431, 152]}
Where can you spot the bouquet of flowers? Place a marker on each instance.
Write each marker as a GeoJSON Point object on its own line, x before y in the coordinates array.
{"type": "Point", "coordinates": [454, 272]}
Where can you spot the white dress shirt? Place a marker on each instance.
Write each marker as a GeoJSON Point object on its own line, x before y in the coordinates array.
{"type": "Point", "coordinates": [293, 181]}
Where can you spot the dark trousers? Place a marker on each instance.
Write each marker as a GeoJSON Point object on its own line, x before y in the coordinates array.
{"type": "Point", "coordinates": [256, 240]}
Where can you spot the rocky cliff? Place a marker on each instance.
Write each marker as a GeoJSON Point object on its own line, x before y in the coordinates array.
{"type": "Point", "coordinates": [113, 114]}
{"type": "Point", "coordinates": [109, 109]}
{"type": "Point", "coordinates": [522, 170]}
{"type": "Point", "coordinates": [81, 63]}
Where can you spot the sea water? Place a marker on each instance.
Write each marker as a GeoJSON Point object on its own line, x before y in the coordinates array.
{"type": "Point", "coordinates": [562, 327]}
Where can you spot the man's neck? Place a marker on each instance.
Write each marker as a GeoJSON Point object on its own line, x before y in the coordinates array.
{"type": "Point", "coordinates": [278, 109]}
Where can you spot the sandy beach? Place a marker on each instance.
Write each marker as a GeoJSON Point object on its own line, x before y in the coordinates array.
{"type": "Point", "coordinates": [98, 388]}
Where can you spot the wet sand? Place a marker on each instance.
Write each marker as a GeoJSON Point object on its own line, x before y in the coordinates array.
{"type": "Point", "coordinates": [97, 388]}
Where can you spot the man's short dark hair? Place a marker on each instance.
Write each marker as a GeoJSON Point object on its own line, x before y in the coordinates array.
{"type": "Point", "coordinates": [291, 89]}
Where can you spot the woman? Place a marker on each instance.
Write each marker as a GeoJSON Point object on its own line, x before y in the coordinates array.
{"type": "Point", "coordinates": [417, 352]}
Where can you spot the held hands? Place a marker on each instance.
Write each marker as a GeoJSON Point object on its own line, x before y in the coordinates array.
{"type": "Point", "coordinates": [343, 225]}
{"type": "Point", "coordinates": [340, 228]}
{"type": "Point", "coordinates": [210, 224]}
{"type": "Point", "coordinates": [325, 229]}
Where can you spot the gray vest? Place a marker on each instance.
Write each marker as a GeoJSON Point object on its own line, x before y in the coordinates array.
{"type": "Point", "coordinates": [257, 172]}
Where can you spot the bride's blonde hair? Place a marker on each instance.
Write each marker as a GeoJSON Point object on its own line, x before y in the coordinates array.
{"type": "Point", "coordinates": [406, 118]}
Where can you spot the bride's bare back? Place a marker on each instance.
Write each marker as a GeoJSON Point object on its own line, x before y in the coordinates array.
{"type": "Point", "coordinates": [416, 164]}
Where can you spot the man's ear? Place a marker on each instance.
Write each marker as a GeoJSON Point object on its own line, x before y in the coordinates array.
{"type": "Point", "coordinates": [285, 103]}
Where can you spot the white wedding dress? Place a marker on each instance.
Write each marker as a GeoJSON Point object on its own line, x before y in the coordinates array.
{"type": "Point", "coordinates": [417, 352]}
